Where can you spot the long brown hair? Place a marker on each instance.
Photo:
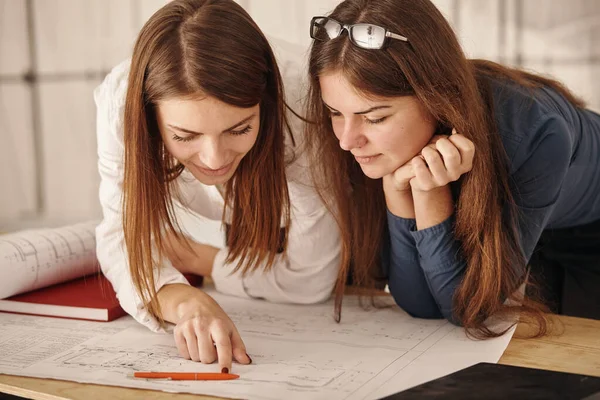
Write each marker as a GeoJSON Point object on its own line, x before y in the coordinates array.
{"type": "Point", "coordinates": [456, 92]}
{"type": "Point", "coordinates": [192, 49]}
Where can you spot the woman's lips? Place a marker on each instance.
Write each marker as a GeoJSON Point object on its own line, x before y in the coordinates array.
{"type": "Point", "coordinates": [366, 159]}
{"type": "Point", "coordinates": [215, 172]}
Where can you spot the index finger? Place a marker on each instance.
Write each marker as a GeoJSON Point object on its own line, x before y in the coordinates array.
{"type": "Point", "coordinates": [222, 342]}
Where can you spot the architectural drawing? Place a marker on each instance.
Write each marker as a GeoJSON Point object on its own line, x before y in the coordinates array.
{"type": "Point", "coordinates": [298, 352]}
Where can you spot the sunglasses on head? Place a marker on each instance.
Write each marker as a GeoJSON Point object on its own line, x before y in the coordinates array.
{"type": "Point", "coordinates": [365, 36]}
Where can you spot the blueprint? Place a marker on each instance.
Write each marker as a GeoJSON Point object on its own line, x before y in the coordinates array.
{"type": "Point", "coordinates": [298, 352]}
{"type": "Point", "coordinates": [34, 259]}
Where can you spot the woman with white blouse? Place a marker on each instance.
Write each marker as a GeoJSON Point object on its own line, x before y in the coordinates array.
{"type": "Point", "coordinates": [196, 121]}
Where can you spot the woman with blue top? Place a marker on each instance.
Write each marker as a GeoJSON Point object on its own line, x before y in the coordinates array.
{"type": "Point", "coordinates": [457, 180]}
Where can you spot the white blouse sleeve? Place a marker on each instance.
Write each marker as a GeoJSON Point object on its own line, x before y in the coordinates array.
{"type": "Point", "coordinates": [110, 246]}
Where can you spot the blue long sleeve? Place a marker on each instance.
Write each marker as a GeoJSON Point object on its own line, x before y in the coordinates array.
{"type": "Point", "coordinates": [425, 267]}
{"type": "Point", "coordinates": [405, 274]}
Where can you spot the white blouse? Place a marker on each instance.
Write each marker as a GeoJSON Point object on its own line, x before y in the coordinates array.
{"type": "Point", "coordinates": [305, 274]}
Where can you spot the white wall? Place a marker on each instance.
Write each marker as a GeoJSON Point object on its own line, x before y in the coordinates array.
{"type": "Point", "coordinates": [47, 141]}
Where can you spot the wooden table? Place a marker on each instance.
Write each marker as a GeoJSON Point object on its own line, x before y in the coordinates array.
{"type": "Point", "coordinates": [576, 349]}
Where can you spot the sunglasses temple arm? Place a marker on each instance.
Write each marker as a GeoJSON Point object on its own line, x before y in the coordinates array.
{"type": "Point", "coordinates": [396, 36]}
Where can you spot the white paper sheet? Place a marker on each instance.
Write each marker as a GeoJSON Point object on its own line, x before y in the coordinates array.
{"type": "Point", "coordinates": [35, 259]}
{"type": "Point", "coordinates": [298, 352]}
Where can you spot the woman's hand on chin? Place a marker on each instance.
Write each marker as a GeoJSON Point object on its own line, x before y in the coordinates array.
{"type": "Point", "coordinates": [444, 160]}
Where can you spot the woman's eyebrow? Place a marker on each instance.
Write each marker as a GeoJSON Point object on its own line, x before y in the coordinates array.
{"type": "Point", "coordinates": [361, 112]}
{"type": "Point", "coordinates": [372, 109]}
{"type": "Point", "coordinates": [224, 131]}
{"type": "Point", "coordinates": [239, 123]}
{"type": "Point", "coordinates": [177, 128]}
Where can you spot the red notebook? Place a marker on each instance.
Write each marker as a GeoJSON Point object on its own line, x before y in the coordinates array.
{"type": "Point", "coordinates": [90, 298]}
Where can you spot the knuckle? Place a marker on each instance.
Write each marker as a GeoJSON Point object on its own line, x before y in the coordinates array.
{"type": "Point", "coordinates": [443, 142]}
{"type": "Point", "coordinates": [178, 335]}
{"type": "Point", "coordinates": [207, 358]}
{"type": "Point", "coordinates": [453, 155]}
{"type": "Point", "coordinates": [224, 343]}
{"type": "Point", "coordinates": [453, 176]}
{"type": "Point", "coordinates": [198, 325]}
{"type": "Point", "coordinates": [430, 155]}
{"type": "Point", "coordinates": [220, 324]}
{"type": "Point", "coordinates": [186, 327]}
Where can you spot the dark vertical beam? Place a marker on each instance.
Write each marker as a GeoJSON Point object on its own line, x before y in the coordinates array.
{"type": "Point", "coordinates": [502, 30]}
{"type": "Point", "coordinates": [456, 4]}
{"type": "Point", "coordinates": [548, 56]}
{"type": "Point", "coordinates": [36, 117]}
{"type": "Point", "coordinates": [519, 8]}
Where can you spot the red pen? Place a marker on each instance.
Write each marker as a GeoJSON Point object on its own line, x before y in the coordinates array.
{"type": "Point", "coordinates": [186, 376]}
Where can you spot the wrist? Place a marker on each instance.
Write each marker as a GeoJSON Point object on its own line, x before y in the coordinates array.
{"type": "Point", "coordinates": [400, 203]}
{"type": "Point", "coordinates": [433, 207]}
{"type": "Point", "coordinates": [433, 193]}
{"type": "Point", "coordinates": [175, 300]}
{"type": "Point", "coordinates": [191, 304]}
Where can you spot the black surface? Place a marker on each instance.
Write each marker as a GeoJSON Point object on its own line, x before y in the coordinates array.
{"type": "Point", "coordinates": [495, 381]}
{"type": "Point", "coordinates": [6, 396]}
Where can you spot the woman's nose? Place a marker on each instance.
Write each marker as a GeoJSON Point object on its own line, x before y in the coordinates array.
{"type": "Point", "coordinates": [211, 154]}
{"type": "Point", "coordinates": [351, 138]}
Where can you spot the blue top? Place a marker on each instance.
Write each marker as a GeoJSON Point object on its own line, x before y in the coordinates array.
{"type": "Point", "coordinates": [553, 150]}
